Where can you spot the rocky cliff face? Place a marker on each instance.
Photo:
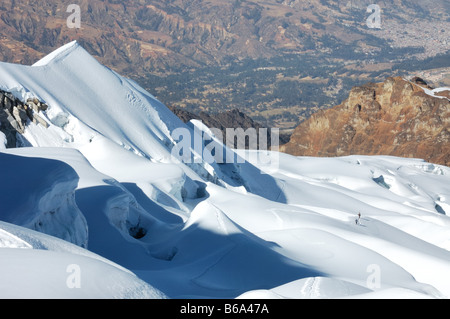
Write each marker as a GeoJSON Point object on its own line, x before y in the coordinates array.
{"type": "Point", "coordinates": [396, 117]}
{"type": "Point", "coordinates": [14, 116]}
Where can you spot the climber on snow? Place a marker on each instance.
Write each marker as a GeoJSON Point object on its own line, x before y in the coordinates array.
{"type": "Point", "coordinates": [357, 220]}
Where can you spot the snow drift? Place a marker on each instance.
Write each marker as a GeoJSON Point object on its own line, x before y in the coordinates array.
{"type": "Point", "coordinates": [103, 176]}
{"type": "Point", "coordinates": [35, 265]}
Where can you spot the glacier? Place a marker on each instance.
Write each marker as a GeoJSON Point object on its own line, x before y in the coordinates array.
{"type": "Point", "coordinates": [100, 189]}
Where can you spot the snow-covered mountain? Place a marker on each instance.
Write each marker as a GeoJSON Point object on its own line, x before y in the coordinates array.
{"type": "Point", "coordinates": [98, 206]}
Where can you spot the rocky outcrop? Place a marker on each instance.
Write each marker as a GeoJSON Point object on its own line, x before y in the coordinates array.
{"type": "Point", "coordinates": [14, 115]}
{"type": "Point", "coordinates": [396, 117]}
{"type": "Point", "coordinates": [421, 82]}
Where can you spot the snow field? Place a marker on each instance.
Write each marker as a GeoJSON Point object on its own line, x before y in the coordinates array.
{"type": "Point", "coordinates": [145, 225]}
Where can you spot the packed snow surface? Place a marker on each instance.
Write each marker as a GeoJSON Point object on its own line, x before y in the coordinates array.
{"type": "Point", "coordinates": [97, 206]}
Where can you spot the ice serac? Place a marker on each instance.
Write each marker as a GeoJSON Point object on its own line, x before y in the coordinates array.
{"type": "Point", "coordinates": [111, 216]}
{"type": "Point", "coordinates": [39, 194]}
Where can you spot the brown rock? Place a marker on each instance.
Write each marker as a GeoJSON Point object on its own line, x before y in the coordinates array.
{"type": "Point", "coordinates": [421, 82]}
{"type": "Point", "coordinates": [445, 93]}
{"type": "Point", "coordinates": [14, 116]}
{"type": "Point", "coordinates": [395, 117]}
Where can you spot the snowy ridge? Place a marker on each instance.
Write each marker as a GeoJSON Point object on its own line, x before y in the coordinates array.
{"type": "Point", "coordinates": [88, 100]}
{"type": "Point", "coordinates": [102, 176]}
{"type": "Point", "coordinates": [61, 52]}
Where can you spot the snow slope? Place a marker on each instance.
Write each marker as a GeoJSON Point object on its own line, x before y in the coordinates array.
{"type": "Point", "coordinates": [103, 176]}
{"type": "Point", "coordinates": [90, 102]}
{"type": "Point", "coordinates": [35, 265]}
